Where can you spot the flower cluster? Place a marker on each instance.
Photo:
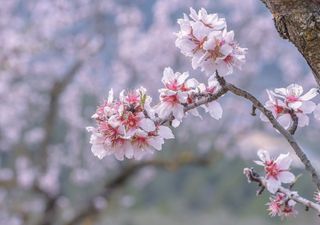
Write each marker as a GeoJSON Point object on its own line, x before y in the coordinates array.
{"type": "Point", "coordinates": [127, 127]}
{"type": "Point", "coordinates": [130, 127]}
{"type": "Point", "coordinates": [286, 102]}
{"type": "Point", "coordinates": [204, 38]}
{"type": "Point", "coordinates": [276, 170]}
{"type": "Point", "coordinates": [179, 91]}
{"type": "Point", "coordinates": [281, 205]}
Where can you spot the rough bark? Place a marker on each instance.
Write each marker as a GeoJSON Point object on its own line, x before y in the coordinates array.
{"type": "Point", "coordinates": [299, 22]}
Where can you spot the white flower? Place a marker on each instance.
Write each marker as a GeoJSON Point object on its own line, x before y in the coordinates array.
{"type": "Point", "coordinates": [213, 108]}
{"type": "Point", "coordinates": [173, 96]}
{"type": "Point", "coordinates": [127, 128]}
{"type": "Point", "coordinates": [293, 97]}
{"type": "Point", "coordinates": [277, 171]}
{"type": "Point", "coordinates": [286, 101]}
{"type": "Point", "coordinates": [209, 20]}
{"type": "Point", "coordinates": [204, 38]}
{"type": "Point", "coordinates": [278, 109]}
{"type": "Point", "coordinates": [222, 54]}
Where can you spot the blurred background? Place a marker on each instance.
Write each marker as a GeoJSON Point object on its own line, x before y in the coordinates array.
{"type": "Point", "coordinates": [59, 59]}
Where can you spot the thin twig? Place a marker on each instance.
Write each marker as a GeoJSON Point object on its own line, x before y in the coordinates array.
{"type": "Point", "coordinates": [286, 134]}
{"type": "Point", "coordinates": [254, 177]}
{"type": "Point", "coordinates": [118, 181]}
{"type": "Point", "coordinates": [294, 125]}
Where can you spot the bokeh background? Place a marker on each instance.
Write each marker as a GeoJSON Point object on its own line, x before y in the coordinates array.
{"type": "Point", "coordinates": [58, 60]}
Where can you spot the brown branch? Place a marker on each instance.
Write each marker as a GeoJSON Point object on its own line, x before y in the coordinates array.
{"type": "Point", "coordinates": [292, 129]}
{"type": "Point", "coordinates": [225, 87]}
{"type": "Point", "coordinates": [55, 94]}
{"type": "Point", "coordinates": [118, 181]}
{"type": "Point", "coordinates": [252, 176]}
{"type": "Point", "coordinates": [299, 22]}
{"type": "Point", "coordinates": [290, 139]}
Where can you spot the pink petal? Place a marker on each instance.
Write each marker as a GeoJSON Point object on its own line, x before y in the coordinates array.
{"type": "Point", "coordinates": [215, 110]}
{"type": "Point", "coordinates": [303, 120]}
{"type": "Point", "coordinates": [285, 120]}
{"type": "Point", "coordinates": [273, 185]}
{"type": "Point", "coordinates": [283, 161]}
{"type": "Point", "coordinates": [156, 142]}
{"type": "Point", "coordinates": [98, 150]}
{"type": "Point", "coordinates": [286, 177]}
{"type": "Point", "coordinates": [165, 132]}
{"type": "Point", "coordinates": [309, 95]}
{"type": "Point", "coordinates": [263, 155]}
{"type": "Point", "coordinates": [147, 125]}
{"type": "Point", "coordinates": [308, 107]}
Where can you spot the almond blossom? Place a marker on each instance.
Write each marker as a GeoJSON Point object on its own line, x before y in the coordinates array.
{"type": "Point", "coordinates": [125, 127]}
{"type": "Point", "coordinates": [283, 102]}
{"type": "Point", "coordinates": [277, 171]}
{"type": "Point", "coordinates": [213, 108]}
{"type": "Point", "coordinates": [173, 96]}
{"type": "Point", "coordinates": [281, 205]}
{"type": "Point", "coordinates": [222, 54]}
{"type": "Point", "coordinates": [205, 39]}
{"type": "Point", "coordinates": [293, 97]}
{"type": "Point", "coordinates": [193, 33]}
{"type": "Point", "coordinates": [279, 110]}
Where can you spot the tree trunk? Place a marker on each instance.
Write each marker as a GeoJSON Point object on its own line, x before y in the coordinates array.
{"type": "Point", "coordinates": [299, 22]}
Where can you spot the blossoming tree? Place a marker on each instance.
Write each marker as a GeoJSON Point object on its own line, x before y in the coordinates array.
{"type": "Point", "coordinates": [131, 127]}
{"type": "Point", "coordinates": [59, 57]}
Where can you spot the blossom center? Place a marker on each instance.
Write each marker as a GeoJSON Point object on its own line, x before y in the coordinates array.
{"type": "Point", "coordinates": [272, 169]}
{"type": "Point", "coordinates": [292, 98]}
{"type": "Point", "coordinates": [173, 99]}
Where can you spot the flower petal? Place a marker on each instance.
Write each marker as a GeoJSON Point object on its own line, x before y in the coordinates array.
{"type": "Point", "coordinates": [313, 92]}
{"type": "Point", "coordinates": [273, 185]}
{"type": "Point", "coordinates": [283, 161]}
{"type": "Point", "coordinates": [165, 132]}
{"type": "Point", "coordinates": [147, 124]}
{"type": "Point", "coordinates": [286, 177]}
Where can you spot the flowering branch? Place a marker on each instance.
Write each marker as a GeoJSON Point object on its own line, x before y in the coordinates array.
{"type": "Point", "coordinates": [286, 134]}
{"type": "Point", "coordinates": [255, 177]}
{"type": "Point", "coordinates": [129, 127]}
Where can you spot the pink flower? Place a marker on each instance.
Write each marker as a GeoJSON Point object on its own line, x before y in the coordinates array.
{"type": "Point", "coordinates": [213, 108]}
{"type": "Point", "coordinates": [127, 127]}
{"type": "Point", "coordinates": [173, 96]}
{"type": "Point", "coordinates": [222, 53]}
{"type": "Point", "coordinates": [211, 21]}
{"type": "Point", "coordinates": [281, 105]}
{"type": "Point", "coordinates": [275, 205]}
{"type": "Point", "coordinates": [279, 110]}
{"type": "Point", "coordinates": [193, 33]}
{"type": "Point", "coordinates": [281, 205]}
{"type": "Point", "coordinates": [293, 97]}
{"type": "Point", "coordinates": [204, 38]}
{"type": "Point", "coordinates": [277, 171]}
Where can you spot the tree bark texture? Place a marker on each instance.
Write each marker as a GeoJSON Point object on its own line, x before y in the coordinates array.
{"type": "Point", "coordinates": [299, 22]}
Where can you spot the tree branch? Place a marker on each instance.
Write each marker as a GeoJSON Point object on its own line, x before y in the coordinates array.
{"type": "Point", "coordinates": [290, 139]}
{"type": "Point", "coordinates": [299, 22]}
{"type": "Point", "coordinates": [55, 93]}
{"type": "Point", "coordinates": [254, 177]}
{"type": "Point", "coordinates": [118, 181]}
